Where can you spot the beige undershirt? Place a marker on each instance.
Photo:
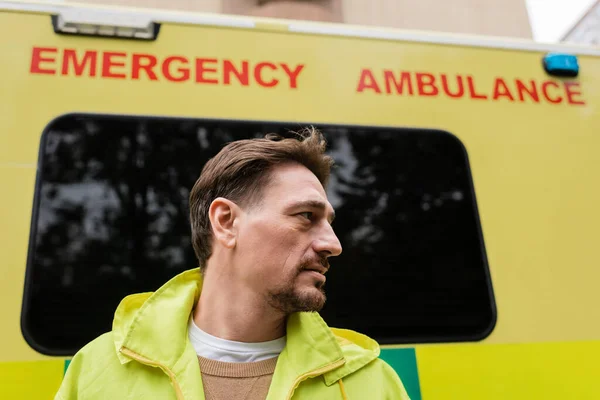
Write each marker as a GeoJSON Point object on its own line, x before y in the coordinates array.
{"type": "Point", "coordinates": [236, 381]}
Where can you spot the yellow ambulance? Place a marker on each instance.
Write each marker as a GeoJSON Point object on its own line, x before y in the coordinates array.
{"type": "Point", "coordinates": [467, 185]}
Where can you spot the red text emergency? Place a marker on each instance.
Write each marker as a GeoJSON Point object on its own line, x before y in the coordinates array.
{"type": "Point", "coordinates": [174, 68]}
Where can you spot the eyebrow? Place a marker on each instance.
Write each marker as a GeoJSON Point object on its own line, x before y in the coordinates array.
{"type": "Point", "coordinates": [314, 204]}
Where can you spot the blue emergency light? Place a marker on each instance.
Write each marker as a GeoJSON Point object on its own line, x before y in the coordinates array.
{"type": "Point", "coordinates": [561, 64]}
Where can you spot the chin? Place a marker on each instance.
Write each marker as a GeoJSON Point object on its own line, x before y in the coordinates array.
{"type": "Point", "coordinates": [311, 300]}
{"type": "Point", "coordinates": [291, 300]}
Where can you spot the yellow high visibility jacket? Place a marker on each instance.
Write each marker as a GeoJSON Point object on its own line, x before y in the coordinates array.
{"type": "Point", "coordinates": [148, 355]}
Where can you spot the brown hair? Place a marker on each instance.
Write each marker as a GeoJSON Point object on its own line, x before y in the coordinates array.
{"type": "Point", "coordinates": [242, 169]}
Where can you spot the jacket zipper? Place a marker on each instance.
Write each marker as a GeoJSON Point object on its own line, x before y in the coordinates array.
{"type": "Point", "coordinates": [149, 362]}
{"type": "Point", "coordinates": [314, 373]}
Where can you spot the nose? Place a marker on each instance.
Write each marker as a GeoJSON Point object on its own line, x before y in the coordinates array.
{"type": "Point", "coordinates": [327, 243]}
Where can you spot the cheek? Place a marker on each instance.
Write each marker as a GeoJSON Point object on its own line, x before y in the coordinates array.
{"type": "Point", "coordinates": [273, 248]}
{"type": "Point", "coordinates": [262, 239]}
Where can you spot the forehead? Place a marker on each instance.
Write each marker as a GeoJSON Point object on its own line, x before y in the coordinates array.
{"type": "Point", "coordinates": [293, 182]}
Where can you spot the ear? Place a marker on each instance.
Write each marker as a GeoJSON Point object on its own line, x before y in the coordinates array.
{"type": "Point", "coordinates": [222, 214]}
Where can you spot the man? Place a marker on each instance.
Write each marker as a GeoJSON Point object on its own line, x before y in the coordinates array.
{"type": "Point", "coordinates": [245, 324]}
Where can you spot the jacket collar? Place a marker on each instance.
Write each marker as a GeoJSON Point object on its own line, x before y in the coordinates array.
{"type": "Point", "coordinates": [154, 325]}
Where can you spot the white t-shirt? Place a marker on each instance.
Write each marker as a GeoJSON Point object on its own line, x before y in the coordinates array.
{"type": "Point", "coordinates": [218, 349]}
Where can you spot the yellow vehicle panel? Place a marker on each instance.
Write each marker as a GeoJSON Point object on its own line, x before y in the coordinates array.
{"type": "Point", "coordinates": [532, 141]}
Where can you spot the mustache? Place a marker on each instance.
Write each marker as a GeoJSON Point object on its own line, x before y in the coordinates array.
{"type": "Point", "coordinates": [308, 261]}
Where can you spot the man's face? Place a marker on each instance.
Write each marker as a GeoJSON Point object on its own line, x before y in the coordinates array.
{"type": "Point", "coordinates": [284, 242]}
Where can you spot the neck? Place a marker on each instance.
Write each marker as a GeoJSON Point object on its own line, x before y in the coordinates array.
{"type": "Point", "coordinates": [234, 312]}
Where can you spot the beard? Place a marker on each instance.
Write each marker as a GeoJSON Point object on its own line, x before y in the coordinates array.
{"type": "Point", "coordinates": [289, 299]}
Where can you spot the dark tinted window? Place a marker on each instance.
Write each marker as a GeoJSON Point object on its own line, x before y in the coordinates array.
{"type": "Point", "coordinates": [111, 218]}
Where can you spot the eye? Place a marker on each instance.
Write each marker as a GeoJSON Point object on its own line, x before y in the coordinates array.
{"type": "Point", "coordinates": [307, 214]}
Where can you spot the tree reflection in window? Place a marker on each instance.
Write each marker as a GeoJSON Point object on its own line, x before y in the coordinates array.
{"type": "Point", "coordinates": [111, 218]}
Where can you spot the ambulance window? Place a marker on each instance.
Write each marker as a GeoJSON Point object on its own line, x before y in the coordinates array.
{"type": "Point", "coordinates": [111, 219]}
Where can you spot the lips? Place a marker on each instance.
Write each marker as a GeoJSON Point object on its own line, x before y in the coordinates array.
{"type": "Point", "coordinates": [317, 268]}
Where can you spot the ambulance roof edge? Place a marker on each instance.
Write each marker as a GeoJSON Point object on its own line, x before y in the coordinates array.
{"type": "Point", "coordinates": [307, 27]}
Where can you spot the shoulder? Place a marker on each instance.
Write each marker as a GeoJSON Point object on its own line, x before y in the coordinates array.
{"type": "Point", "coordinates": [378, 380]}
{"type": "Point", "coordinates": [96, 359]}
{"type": "Point", "coordinates": [100, 351]}
{"type": "Point", "coordinates": [97, 372]}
